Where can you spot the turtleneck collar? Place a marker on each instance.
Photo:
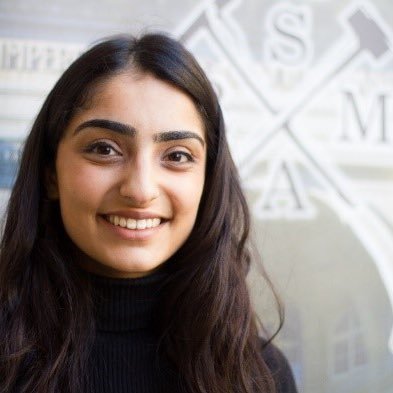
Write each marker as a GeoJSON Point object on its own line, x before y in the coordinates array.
{"type": "Point", "coordinates": [125, 304]}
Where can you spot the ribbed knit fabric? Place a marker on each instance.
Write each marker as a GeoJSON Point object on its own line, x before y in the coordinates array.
{"type": "Point", "coordinates": [124, 356]}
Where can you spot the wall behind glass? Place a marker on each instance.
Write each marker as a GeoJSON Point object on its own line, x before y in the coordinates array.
{"type": "Point", "coordinates": [306, 88]}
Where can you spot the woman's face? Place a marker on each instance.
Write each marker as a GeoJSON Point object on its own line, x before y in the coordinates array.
{"type": "Point", "coordinates": [129, 175]}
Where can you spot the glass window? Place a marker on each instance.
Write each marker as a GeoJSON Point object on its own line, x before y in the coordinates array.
{"type": "Point", "coordinates": [349, 350]}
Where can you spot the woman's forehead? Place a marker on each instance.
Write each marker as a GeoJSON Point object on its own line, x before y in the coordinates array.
{"type": "Point", "coordinates": [140, 101]}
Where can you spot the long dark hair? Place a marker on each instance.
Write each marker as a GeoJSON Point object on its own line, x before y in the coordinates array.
{"type": "Point", "coordinates": [208, 330]}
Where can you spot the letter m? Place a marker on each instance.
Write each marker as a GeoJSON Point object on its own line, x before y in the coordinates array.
{"type": "Point", "coordinates": [364, 121]}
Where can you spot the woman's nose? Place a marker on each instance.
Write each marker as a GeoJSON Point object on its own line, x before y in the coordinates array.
{"type": "Point", "coordinates": [139, 183]}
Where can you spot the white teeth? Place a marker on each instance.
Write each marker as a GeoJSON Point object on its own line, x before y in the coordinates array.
{"type": "Point", "coordinates": [141, 224]}
{"type": "Point", "coordinates": [132, 223]}
{"type": "Point", "coordinates": [123, 222]}
{"type": "Point", "coordinates": [156, 222]}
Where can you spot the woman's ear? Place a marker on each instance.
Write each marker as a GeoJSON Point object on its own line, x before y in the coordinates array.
{"type": "Point", "coordinates": [51, 186]}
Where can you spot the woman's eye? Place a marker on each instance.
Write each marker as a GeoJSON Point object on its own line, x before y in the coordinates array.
{"type": "Point", "coordinates": [102, 148]}
{"type": "Point", "coordinates": [179, 156]}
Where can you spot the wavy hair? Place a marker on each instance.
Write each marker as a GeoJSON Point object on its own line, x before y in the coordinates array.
{"type": "Point", "coordinates": [208, 327]}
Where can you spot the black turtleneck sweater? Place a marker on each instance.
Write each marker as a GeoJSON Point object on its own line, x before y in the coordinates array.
{"type": "Point", "coordinates": [124, 356]}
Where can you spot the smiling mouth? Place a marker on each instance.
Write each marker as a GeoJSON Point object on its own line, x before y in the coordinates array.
{"type": "Point", "coordinates": [131, 223]}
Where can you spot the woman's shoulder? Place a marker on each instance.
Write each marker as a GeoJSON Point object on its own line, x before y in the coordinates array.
{"type": "Point", "coordinates": [279, 367]}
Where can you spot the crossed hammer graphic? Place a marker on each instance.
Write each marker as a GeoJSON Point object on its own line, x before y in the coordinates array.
{"type": "Point", "coordinates": [368, 36]}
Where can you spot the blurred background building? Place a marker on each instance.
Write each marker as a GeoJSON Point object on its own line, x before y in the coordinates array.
{"type": "Point", "coordinates": [307, 93]}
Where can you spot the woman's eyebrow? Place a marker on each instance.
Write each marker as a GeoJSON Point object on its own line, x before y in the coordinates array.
{"type": "Point", "coordinates": [176, 135]}
{"type": "Point", "coordinates": [125, 129]}
{"type": "Point", "coordinates": [112, 125]}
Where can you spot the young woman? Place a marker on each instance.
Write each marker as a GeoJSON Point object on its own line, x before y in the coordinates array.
{"type": "Point", "coordinates": [124, 255]}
